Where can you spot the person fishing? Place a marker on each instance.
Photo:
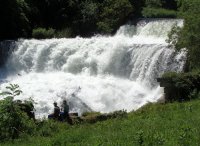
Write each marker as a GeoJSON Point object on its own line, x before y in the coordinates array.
{"type": "Point", "coordinates": [56, 114]}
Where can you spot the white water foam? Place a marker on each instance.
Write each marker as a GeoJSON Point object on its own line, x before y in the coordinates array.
{"type": "Point", "coordinates": [106, 73]}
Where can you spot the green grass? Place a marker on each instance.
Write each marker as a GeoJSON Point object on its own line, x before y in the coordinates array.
{"type": "Point", "coordinates": [172, 124]}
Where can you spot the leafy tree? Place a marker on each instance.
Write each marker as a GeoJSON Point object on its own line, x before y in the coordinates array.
{"type": "Point", "coordinates": [137, 6]}
{"type": "Point", "coordinates": [166, 4]}
{"type": "Point", "coordinates": [189, 36]}
{"type": "Point", "coordinates": [89, 16]}
{"type": "Point", "coordinates": [14, 21]}
{"type": "Point", "coordinates": [153, 3]}
{"type": "Point", "coordinates": [113, 14]}
{"type": "Point", "coordinates": [158, 13]}
{"type": "Point", "coordinates": [170, 4]}
{"type": "Point", "coordinates": [76, 17]}
{"type": "Point", "coordinates": [13, 121]}
{"type": "Point", "coordinates": [42, 33]}
{"type": "Point", "coordinates": [160, 9]}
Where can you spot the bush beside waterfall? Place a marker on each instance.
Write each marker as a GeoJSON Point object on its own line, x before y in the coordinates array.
{"type": "Point", "coordinates": [13, 121]}
{"type": "Point", "coordinates": [42, 33]}
{"type": "Point", "coordinates": [158, 13]}
{"type": "Point", "coordinates": [180, 86]}
{"type": "Point", "coordinates": [189, 36]}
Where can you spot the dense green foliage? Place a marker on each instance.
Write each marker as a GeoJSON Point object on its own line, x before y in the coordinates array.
{"type": "Point", "coordinates": [158, 13]}
{"type": "Point", "coordinates": [93, 117]}
{"type": "Point", "coordinates": [13, 121]}
{"type": "Point", "coordinates": [175, 124]}
{"type": "Point", "coordinates": [180, 86]}
{"type": "Point", "coordinates": [113, 13]}
{"type": "Point", "coordinates": [76, 17]}
{"type": "Point", "coordinates": [14, 20]}
{"type": "Point", "coordinates": [160, 9]}
{"type": "Point", "coordinates": [42, 33]}
{"type": "Point", "coordinates": [189, 36]}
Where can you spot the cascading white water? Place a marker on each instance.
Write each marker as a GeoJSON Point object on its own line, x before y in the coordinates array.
{"type": "Point", "coordinates": [106, 73]}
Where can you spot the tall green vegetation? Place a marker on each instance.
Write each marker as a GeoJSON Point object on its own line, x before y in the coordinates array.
{"type": "Point", "coordinates": [180, 86]}
{"type": "Point", "coordinates": [89, 12]}
{"type": "Point", "coordinates": [87, 17]}
{"type": "Point", "coordinates": [172, 124]}
{"type": "Point", "coordinates": [113, 13]}
{"type": "Point", "coordinates": [165, 4]}
{"type": "Point", "coordinates": [189, 36]}
{"type": "Point", "coordinates": [42, 33]}
{"type": "Point", "coordinates": [73, 17]}
{"type": "Point", "coordinates": [13, 121]}
{"type": "Point", "coordinates": [159, 9]}
{"type": "Point", "coordinates": [14, 19]}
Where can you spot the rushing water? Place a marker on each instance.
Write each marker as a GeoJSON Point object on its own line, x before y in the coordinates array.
{"type": "Point", "coordinates": [105, 73]}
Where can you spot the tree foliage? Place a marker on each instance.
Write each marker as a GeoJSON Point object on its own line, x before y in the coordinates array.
{"type": "Point", "coordinates": [113, 13]}
{"type": "Point", "coordinates": [42, 33]}
{"type": "Point", "coordinates": [160, 9]}
{"type": "Point", "coordinates": [13, 121]}
{"type": "Point", "coordinates": [14, 19]}
{"type": "Point", "coordinates": [189, 36]}
{"type": "Point", "coordinates": [180, 86]}
{"type": "Point", "coordinates": [75, 17]}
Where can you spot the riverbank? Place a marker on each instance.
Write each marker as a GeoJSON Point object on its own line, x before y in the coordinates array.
{"type": "Point", "coordinates": [168, 124]}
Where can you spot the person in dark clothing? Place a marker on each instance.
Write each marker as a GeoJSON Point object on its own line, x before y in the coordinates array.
{"type": "Point", "coordinates": [56, 113]}
{"type": "Point", "coordinates": [65, 110]}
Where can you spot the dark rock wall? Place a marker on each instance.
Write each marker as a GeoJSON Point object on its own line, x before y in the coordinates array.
{"type": "Point", "coordinates": [180, 87]}
{"type": "Point", "coordinates": [6, 48]}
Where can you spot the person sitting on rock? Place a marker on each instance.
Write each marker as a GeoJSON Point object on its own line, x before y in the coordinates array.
{"type": "Point", "coordinates": [65, 110]}
{"type": "Point", "coordinates": [56, 113]}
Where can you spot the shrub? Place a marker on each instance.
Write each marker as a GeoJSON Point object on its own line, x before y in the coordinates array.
{"type": "Point", "coordinates": [139, 138]}
{"type": "Point", "coordinates": [182, 86]}
{"type": "Point", "coordinates": [42, 33]}
{"type": "Point", "coordinates": [94, 117]}
{"type": "Point", "coordinates": [65, 33]}
{"type": "Point", "coordinates": [113, 14]}
{"type": "Point", "coordinates": [189, 36]}
{"type": "Point", "coordinates": [91, 114]}
{"type": "Point", "coordinates": [174, 36]}
{"type": "Point", "coordinates": [13, 121]}
{"type": "Point", "coordinates": [14, 18]}
{"type": "Point", "coordinates": [158, 13]}
{"type": "Point", "coordinates": [46, 128]}
{"type": "Point", "coordinates": [153, 3]}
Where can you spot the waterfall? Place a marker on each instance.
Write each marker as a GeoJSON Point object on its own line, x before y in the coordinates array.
{"type": "Point", "coordinates": [105, 73]}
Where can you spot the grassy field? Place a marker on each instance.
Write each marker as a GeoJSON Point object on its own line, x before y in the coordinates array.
{"type": "Point", "coordinates": [171, 124]}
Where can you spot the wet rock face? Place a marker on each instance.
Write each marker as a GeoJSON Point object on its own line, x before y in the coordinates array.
{"type": "Point", "coordinates": [6, 48]}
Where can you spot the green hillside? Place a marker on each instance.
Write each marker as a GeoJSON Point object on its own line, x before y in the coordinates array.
{"type": "Point", "coordinates": [169, 124]}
